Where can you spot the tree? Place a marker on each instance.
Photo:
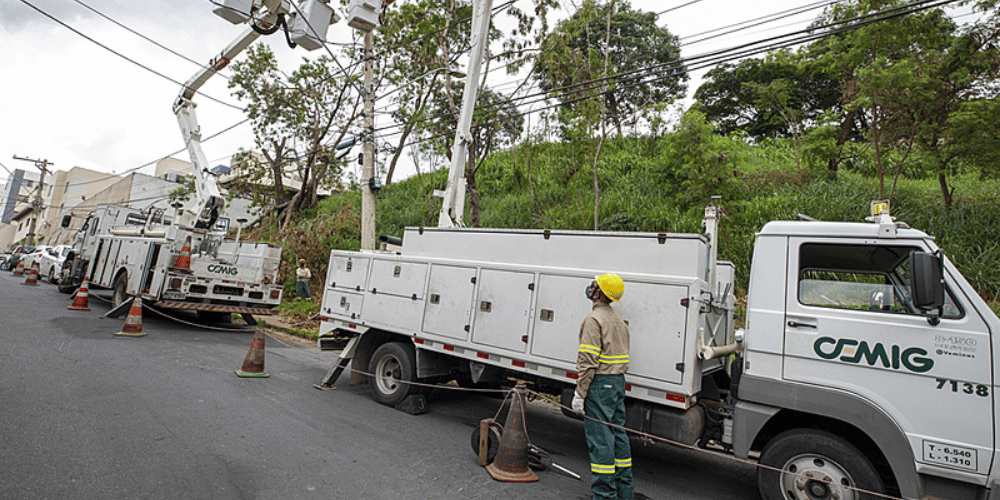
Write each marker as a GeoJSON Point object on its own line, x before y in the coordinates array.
{"type": "Point", "coordinates": [293, 117]}
{"type": "Point", "coordinates": [496, 123]}
{"type": "Point", "coordinates": [419, 62]}
{"type": "Point", "coordinates": [642, 63]}
{"type": "Point", "coordinates": [731, 95]}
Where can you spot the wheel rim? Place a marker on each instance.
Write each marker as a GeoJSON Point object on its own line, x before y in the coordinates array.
{"type": "Point", "coordinates": [815, 477]}
{"type": "Point", "coordinates": [388, 375]}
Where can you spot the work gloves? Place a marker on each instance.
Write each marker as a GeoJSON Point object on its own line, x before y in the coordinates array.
{"type": "Point", "coordinates": [577, 403]}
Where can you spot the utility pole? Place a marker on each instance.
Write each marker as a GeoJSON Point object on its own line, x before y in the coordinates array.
{"type": "Point", "coordinates": [36, 204]}
{"type": "Point", "coordinates": [368, 169]}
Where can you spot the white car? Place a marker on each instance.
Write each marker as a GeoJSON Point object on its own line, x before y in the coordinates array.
{"type": "Point", "coordinates": [51, 260]}
{"type": "Point", "coordinates": [34, 258]}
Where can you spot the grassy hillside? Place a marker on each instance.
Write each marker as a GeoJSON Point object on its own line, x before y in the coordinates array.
{"type": "Point", "coordinates": [663, 185]}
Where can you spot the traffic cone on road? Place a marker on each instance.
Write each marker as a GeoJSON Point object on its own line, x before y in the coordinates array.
{"type": "Point", "coordinates": [19, 270]}
{"type": "Point", "coordinates": [133, 322]}
{"type": "Point", "coordinates": [253, 365]}
{"type": "Point", "coordinates": [183, 262]}
{"type": "Point", "coordinates": [511, 463]}
{"type": "Point", "coordinates": [32, 278]}
{"type": "Point", "coordinates": [81, 298]}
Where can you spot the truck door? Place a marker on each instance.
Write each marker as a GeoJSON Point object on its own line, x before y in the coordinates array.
{"type": "Point", "coordinates": [849, 325]}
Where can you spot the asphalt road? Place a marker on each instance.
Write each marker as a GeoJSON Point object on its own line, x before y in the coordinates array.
{"type": "Point", "coordinates": [88, 415]}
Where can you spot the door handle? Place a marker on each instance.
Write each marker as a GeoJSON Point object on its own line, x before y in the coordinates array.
{"type": "Point", "coordinates": [796, 324]}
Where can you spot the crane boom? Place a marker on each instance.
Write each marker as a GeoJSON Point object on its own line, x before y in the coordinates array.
{"type": "Point", "coordinates": [209, 202]}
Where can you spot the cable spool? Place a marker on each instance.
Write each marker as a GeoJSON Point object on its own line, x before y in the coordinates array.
{"type": "Point", "coordinates": [493, 444]}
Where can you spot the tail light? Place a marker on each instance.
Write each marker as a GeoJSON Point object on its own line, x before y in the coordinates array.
{"type": "Point", "coordinates": [175, 283]}
{"type": "Point", "coordinates": [275, 293]}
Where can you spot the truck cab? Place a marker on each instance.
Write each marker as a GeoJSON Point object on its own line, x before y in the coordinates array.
{"type": "Point", "coordinates": [844, 355]}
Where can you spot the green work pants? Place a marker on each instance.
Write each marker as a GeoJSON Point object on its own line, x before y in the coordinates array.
{"type": "Point", "coordinates": [610, 454]}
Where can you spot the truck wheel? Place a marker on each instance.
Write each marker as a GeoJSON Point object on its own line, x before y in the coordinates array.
{"type": "Point", "coordinates": [52, 275]}
{"type": "Point", "coordinates": [392, 368]}
{"type": "Point", "coordinates": [815, 465]}
{"type": "Point", "coordinates": [119, 294]}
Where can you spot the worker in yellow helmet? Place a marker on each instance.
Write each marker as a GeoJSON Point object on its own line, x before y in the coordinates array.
{"type": "Point", "coordinates": [601, 363]}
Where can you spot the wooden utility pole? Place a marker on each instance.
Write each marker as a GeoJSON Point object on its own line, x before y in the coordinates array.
{"type": "Point", "coordinates": [36, 204]}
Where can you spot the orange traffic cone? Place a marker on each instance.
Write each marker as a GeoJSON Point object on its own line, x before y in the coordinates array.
{"type": "Point", "coordinates": [183, 262]}
{"type": "Point", "coordinates": [81, 297]}
{"type": "Point", "coordinates": [133, 323]}
{"type": "Point", "coordinates": [511, 463]}
{"type": "Point", "coordinates": [19, 270]}
{"type": "Point", "coordinates": [253, 365]}
{"type": "Point", "coordinates": [32, 278]}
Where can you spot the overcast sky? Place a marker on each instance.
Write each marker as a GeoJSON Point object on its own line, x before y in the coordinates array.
{"type": "Point", "coordinates": [68, 100]}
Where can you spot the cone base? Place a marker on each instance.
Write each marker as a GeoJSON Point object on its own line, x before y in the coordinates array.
{"type": "Point", "coordinates": [32, 283]}
{"type": "Point", "coordinates": [527, 476]}
{"type": "Point", "coordinates": [129, 334]}
{"type": "Point", "coordinates": [78, 308]}
{"type": "Point", "coordinates": [243, 374]}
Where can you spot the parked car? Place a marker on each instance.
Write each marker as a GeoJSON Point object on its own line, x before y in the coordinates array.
{"type": "Point", "coordinates": [34, 257]}
{"type": "Point", "coordinates": [19, 252]}
{"type": "Point", "coordinates": [50, 262]}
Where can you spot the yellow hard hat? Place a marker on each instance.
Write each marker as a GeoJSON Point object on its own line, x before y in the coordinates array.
{"type": "Point", "coordinates": [612, 285]}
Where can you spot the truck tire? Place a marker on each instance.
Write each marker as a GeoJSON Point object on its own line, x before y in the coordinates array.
{"type": "Point", "coordinates": [52, 276]}
{"type": "Point", "coordinates": [119, 290]}
{"type": "Point", "coordinates": [815, 465]}
{"type": "Point", "coordinates": [393, 366]}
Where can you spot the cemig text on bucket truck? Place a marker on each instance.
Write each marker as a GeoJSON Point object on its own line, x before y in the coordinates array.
{"type": "Point", "coordinates": [866, 362]}
{"type": "Point", "coordinates": [134, 252]}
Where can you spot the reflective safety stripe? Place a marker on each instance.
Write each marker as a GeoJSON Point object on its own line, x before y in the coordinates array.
{"type": "Point", "coordinates": [613, 360]}
{"type": "Point", "coordinates": [602, 469]}
{"type": "Point", "coordinates": [622, 463]}
{"type": "Point", "coordinates": [590, 349]}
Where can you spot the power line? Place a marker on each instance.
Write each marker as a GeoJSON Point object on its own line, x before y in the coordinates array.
{"type": "Point", "coordinates": [119, 54]}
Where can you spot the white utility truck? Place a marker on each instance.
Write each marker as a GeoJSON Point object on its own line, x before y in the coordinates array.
{"type": "Point", "coordinates": [136, 253]}
{"type": "Point", "coordinates": [866, 362]}
{"type": "Point", "coordinates": [865, 367]}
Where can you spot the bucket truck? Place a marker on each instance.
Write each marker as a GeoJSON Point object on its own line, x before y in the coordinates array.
{"type": "Point", "coordinates": [181, 260]}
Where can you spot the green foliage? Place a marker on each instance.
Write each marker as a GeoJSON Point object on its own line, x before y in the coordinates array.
{"type": "Point", "coordinates": [572, 57]}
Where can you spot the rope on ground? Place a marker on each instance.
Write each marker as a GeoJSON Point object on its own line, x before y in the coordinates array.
{"type": "Point", "coordinates": [694, 448]}
{"type": "Point", "coordinates": [509, 392]}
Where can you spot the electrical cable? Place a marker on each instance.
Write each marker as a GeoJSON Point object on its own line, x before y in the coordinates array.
{"type": "Point", "coordinates": [123, 56]}
{"type": "Point", "coordinates": [716, 57]}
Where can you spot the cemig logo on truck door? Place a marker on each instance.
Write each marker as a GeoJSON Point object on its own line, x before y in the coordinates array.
{"type": "Point", "coordinates": [219, 269]}
{"type": "Point", "coordinates": [911, 358]}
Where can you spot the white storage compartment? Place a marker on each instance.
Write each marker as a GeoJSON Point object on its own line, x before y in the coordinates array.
{"type": "Point", "coordinates": [345, 272]}
{"type": "Point", "coordinates": [657, 324]}
{"type": "Point", "coordinates": [502, 309]}
{"type": "Point", "coordinates": [347, 305]}
{"type": "Point", "coordinates": [393, 277]}
{"type": "Point", "coordinates": [448, 307]}
{"type": "Point", "coordinates": [403, 313]}
{"type": "Point", "coordinates": [561, 307]}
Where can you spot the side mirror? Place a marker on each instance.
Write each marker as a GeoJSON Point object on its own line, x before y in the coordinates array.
{"type": "Point", "coordinates": [66, 220]}
{"type": "Point", "coordinates": [925, 279]}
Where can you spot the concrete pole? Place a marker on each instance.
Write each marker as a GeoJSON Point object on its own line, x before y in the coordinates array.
{"type": "Point", "coordinates": [368, 169]}
{"type": "Point", "coordinates": [36, 205]}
